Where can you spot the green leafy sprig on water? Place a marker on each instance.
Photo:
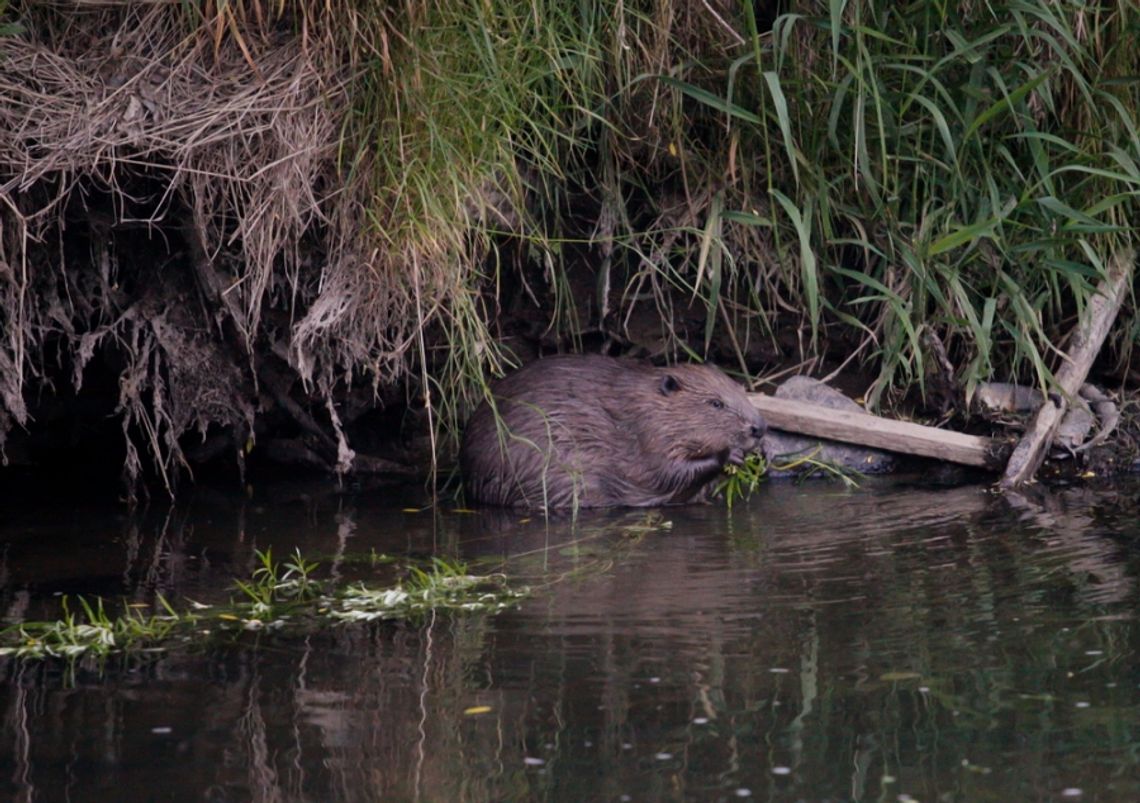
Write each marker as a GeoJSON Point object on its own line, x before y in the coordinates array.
{"type": "Point", "coordinates": [444, 585]}
{"type": "Point", "coordinates": [92, 631]}
{"type": "Point", "coordinates": [276, 593]}
{"type": "Point", "coordinates": [273, 583]}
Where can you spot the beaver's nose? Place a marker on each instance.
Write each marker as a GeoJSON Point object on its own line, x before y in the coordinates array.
{"type": "Point", "coordinates": [759, 427]}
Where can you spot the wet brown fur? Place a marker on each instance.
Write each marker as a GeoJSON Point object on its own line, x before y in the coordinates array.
{"type": "Point", "coordinates": [592, 431]}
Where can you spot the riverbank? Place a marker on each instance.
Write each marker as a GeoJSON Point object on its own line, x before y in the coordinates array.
{"type": "Point", "coordinates": [309, 235]}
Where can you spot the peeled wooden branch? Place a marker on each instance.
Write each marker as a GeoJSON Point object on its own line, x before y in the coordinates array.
{"type": "Point", "coordinates": [1093, 327]}
{"type": "Point", "coordinates": [880, 433]}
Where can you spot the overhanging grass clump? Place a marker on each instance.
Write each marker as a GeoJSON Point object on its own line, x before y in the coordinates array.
{"type": "Point", "coordinates": [257, 221]}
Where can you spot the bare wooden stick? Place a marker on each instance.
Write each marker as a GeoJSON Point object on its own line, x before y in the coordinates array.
{"type": "Point", "coordinates": [881, 433]}
{"type": "Point", "coordinates": [1098, 317]}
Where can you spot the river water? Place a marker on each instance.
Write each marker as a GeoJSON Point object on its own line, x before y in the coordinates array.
{"type": "Point", "coordinates": [891, 642]}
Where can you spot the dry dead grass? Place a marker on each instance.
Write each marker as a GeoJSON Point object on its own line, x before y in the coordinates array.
{"type": "Point", "coordinates": [234, 125]}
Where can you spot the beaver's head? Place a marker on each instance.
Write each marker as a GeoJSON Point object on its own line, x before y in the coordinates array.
{"type": "Point", "coordinates": [700, 414]}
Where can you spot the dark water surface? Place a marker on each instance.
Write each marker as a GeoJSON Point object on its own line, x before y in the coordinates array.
{"type": "Point", "coordinates": [888, 643]}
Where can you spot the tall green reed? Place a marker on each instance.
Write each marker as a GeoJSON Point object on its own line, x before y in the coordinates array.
{"type": "Point", "coordinates": [945, 169]}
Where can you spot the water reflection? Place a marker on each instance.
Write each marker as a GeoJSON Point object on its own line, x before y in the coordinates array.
{"type": "Point", "coordinates": [814, 644]}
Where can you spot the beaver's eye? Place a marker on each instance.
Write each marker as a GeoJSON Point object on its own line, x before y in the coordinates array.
{"type": "Point", "coordinates": [717, 404]}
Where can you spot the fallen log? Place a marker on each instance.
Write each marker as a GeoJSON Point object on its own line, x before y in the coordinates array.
{"type": "Point", "coordinates": [881, 433]}
{"type": "Point", "coordinates": [1092, 328]}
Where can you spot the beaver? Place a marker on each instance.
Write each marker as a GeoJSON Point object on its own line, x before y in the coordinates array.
{"type": "Point", "coordinates": [578, 431]}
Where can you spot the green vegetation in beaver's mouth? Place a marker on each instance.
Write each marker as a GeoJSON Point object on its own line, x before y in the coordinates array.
{"type": "Point", "coordinates": [740, 482]}
{"type": "Point", "coordinates": [276, 594]}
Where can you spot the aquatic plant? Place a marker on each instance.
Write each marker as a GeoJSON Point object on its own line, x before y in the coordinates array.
{"type": "Point", "coordinates": [445, 585]}
{"type": "Point", "coordinates": [277, 593]}
{"type": "Point", "coordinates": [92, 631]}
{"type": "Point", "coordinates": [273, 582]}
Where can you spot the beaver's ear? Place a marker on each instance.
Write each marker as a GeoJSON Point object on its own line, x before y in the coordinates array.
{"type": "Point", "coordinates": [669, 384]}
